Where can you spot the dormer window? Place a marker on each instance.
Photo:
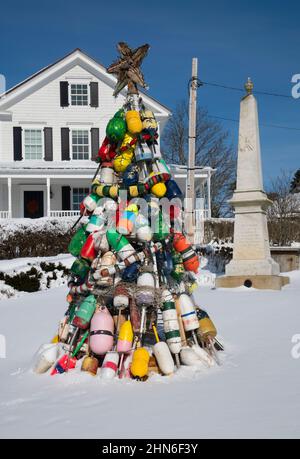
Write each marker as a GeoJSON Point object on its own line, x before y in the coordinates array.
{"type": "Point", "coordinates": [79, 94]}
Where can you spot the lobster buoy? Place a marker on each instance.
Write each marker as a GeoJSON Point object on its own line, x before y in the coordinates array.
{"type": "Point", "coordinates": [90, 202]}
{"type": "Point", "coordinates": [189, 256]}
{"type": "Point", "coordinates": [122, 161]}
{"type": "Point", "coordinates": [120, 244]}
{"type": "Point", "coordinates": [188, 313]}
{"type": "Point", "coordinates": [96, 223]}
{"type": "Point", "coordinates": [131, 272]}
{"type": "Point", "coordinates": [106, 151]}
{"type": "Point", "coordinates": [128, 144]}
{"type": "Point", "coordinates": [139, 365]}
{"type": "Point", "coordinates": [171, 325]}
{"type": "Point", "coordinates": [206, 325]}
{"type": "Point", "coordinates": [173, 190]}
{"type": "Point", "coordinates": [159, 189]}
{"type": "Point", "coordinates": [131, 176]}
{"type": "Point", "coordinates": [188, 356]}
{"type": "Point", "coordinates": [85, 312]}
{"type": "Point", "coordinates": [121, 297]}
{"type": "Point", "coordinates": [133, 121]}
{"type": "Point", "coordinates": [143, 230]}
{"type": "Point", "coordinates": [77, 242]}
{"type": "Point", "coordinates": [178, 268]}
{"type": "Point", "coordinates": [164, 358]}
{"type": "Point", "coordinates": [46, 357]}
{"type": "Point", "coordinates": [125, 338]}
{"type": "Point", "coordinates": [101, 331]}
{"type": "Point", "coordinates": [127, 219]}
{"type": "Point", "coordinates": [145, 290]}
{"type": "Point", "coordinates": [90, 365]}
{"type": "Point", "coordinates": [116, 127]}
{"type": "Point", "coordinates": [142, 154]}
{"type": "Point", "coordinates": [107, 174]}
{"type": "Point", "coordinates": [107, 261]}
{"type": "Point", "coordinates": [110, 365]}
{"type": "Point", "coordinates": [148, 119]}
{"type": "Point", "coordinates": [80, 268]}
{"type": "Point", "coordinates": [88, 251]}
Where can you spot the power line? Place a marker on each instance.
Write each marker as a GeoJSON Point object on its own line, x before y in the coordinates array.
{"type": "Point", "coordinates": [233, 88]}
{"type": "Point", "coordinates": [276, 126]}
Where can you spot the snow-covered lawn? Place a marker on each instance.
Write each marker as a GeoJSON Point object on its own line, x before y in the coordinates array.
{"type": "Point", "coordinates": [255, 393]}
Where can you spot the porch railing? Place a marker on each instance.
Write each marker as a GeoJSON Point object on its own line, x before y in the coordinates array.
{"type": "Point", "coordinates": [200, 216]}
{"type": "Point", "coordinates": [4, 214]}
{"type": "Point", "coordinates": [64, 213]}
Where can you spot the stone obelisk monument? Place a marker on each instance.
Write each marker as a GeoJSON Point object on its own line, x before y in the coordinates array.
{"type": "Point", "coordinates": [251, 264]}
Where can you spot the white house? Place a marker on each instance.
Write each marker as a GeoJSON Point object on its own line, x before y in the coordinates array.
{"type": "Point", "coordinates": [51, 126]}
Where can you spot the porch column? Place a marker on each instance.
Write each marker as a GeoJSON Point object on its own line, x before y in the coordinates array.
{"type": "Point", "coordinates": [208, 195]}
{"type": "Point", "coordinates": [48, 196]}
{"type": "Point", "coordinates": [9, 197]}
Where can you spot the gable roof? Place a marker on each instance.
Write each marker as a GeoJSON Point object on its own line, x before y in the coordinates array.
{"type": "Point", "coordinates": [75, 57]}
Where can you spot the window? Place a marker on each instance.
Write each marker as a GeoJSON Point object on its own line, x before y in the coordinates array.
{"type": "Point", "coordinates": [78, 196]}
{"type": "Point", "coordinates": [80, 144]}
{"type": "Point", "coordinates": [79, 94]}
{"type": "Point", "coordinates": [33, 144]}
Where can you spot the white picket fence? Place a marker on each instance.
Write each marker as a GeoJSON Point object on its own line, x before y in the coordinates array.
{"type": "Point", "coordinates": [64, 213]}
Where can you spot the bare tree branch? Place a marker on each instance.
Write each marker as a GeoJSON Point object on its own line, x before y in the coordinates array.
{"type": "Point", "coordinates": [212, 149]}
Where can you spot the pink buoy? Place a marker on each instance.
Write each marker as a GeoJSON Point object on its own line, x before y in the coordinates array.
{"type": "Point", "coordinates": [101, 331]}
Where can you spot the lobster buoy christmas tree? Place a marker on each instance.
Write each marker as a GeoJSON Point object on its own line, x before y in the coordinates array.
{"type": "Point", "coordinates": [132, 263]}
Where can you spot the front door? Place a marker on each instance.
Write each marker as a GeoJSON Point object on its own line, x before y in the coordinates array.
{"type": "Point", "coordinates": [33, 204]}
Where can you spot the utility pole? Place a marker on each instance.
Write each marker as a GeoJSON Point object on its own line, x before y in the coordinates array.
{"type": "Point", "coordinates": [190, 189]}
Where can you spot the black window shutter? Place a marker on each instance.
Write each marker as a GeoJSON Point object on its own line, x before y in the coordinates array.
{"type": "Point", "coordinates": [66, 198]}
{"type": "Point", "coordinates": [18, 144]}
{"type": "Point", "coordinates": [65, 144]}
{"type": "Point", "coordinates": [48, 142]}
{"type": "Point", "coordinates": [94, 94]}
{"type": "Point", "coordinates": [64, 94]}
{"type": "Point", "coordinates": [95, 142]}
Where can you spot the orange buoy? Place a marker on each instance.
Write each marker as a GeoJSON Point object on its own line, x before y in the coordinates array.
{"type": "Point", "coordinates": [189, 256]}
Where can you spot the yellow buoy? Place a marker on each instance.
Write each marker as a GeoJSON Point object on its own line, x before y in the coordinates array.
{"type": "Point", "coordinates": [207, 327]}
{"type": "Point", "coordinates": [140, 361]}
{"type": "Point", "coordinates": [159, 189]}
{"type": "Point", "coordinates": [134, 123]}
{"type": "Point", "coordinates": [122, 161]}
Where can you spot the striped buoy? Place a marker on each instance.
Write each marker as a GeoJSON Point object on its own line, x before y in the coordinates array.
{"type": "Point", "coordinates": [171, 325]}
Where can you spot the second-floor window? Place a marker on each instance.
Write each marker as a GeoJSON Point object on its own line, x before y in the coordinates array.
{"type": "Point", "coordinates": [33, 144]}
{"type": "Point", "coordinates": [79, 94]}
{"type": "Point", "coordinates": [80, 144]}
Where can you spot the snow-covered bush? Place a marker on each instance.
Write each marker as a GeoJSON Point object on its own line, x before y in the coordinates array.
{"type": "Point", "coordinates": [34, 238]}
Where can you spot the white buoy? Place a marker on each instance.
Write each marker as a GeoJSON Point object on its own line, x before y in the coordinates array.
{"type": "Point", "coordinates": [188, 356]}
{"type": "Point", "coordinates": [46, 357]}
{"type": "Point", "coordinates": [110, 365]}
{"type": "Point", "coordinates": [164, 358]}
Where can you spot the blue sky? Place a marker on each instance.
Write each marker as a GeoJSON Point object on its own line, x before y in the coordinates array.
{"type": "Point", "coordinates": [232, 40]}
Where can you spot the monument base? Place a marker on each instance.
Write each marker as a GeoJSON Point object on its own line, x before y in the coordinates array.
{"type": "Point", "coordinates": [259, 282]}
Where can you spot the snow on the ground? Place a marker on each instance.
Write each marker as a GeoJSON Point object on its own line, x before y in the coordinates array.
{"type": "Point", "coordinates": [16, 265]}
{"type": "Point", "coordinates": [255, 393]}
{"type": "Point", "coordinates": [25, 263]}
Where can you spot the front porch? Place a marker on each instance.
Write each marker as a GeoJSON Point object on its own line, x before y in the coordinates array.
{"type": "Point", "coordinates": [33, 197]}
{"type": "Point", "coordinates": [58, 193]}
